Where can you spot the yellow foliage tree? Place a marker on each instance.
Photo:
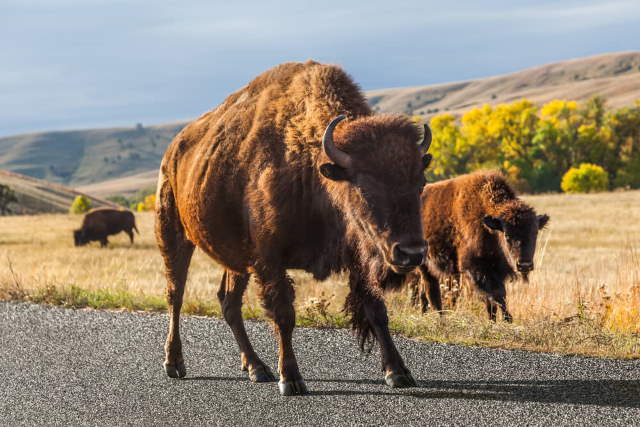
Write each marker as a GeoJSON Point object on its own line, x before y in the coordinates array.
{"type": "Point", "coordinates": [449, 150]}
{"type": "Point", "coordinates": [148, 204]}
{"type": "Point", "coordinates": [587, 178]}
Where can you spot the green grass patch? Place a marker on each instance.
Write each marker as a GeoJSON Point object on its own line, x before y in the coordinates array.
{"type": "Point", "coordinates": [578, 335]}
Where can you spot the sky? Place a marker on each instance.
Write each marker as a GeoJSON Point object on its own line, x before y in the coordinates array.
{"type": "Point", "coordinates": [75, 64]}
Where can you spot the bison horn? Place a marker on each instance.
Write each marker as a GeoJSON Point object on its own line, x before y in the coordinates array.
{"type": "Point", "coordinates": [336, 155]}
{"type": "Point", "coordinates": [426, 140]}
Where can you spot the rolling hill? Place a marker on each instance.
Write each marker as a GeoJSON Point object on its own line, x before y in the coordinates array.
{"type": "Point", "coordinates": [37, 196]}
{"type": "Point", "coordinates": [615, 76]}
{"type": "Point", "coordinates": [123, 160]}
{"type": "Point", "coordinates": [86, 156]}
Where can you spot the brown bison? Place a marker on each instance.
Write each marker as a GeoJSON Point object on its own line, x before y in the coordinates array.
{"type": "Point", "coordinates": [103, 222]}
{"type": "Point", "coordinates": [274, 179]}
{"type": "Point", "coordinates": [476, 227]}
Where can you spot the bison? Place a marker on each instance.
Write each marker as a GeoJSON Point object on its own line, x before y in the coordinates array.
{"type": "Point", "coordinates": [100, 223]}
{"type": "Point", "coordinates": [293, 171]}
{"type": "Point", "coordinates": [476, 227]}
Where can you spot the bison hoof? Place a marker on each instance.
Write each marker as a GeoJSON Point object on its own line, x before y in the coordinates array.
{"type": "Point", "coordinates": [175, 371]}
{"type": "Point", "coordinates": [261, 374]}
{"type": "Point", "coordinates": [292, 388]}
{"type": "Point", "coordinates": [400, 380]}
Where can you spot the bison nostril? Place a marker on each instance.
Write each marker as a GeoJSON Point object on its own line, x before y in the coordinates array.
{"type": "Point", "coordinates": [409, 255]}
{"type": "Point", "coordinates": [525, 266]}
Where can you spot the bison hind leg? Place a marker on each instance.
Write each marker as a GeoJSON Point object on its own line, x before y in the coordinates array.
{"type": "Point", "coordinates": [130, 234]}
{"type": "Point", "coordinates": [176, 251]}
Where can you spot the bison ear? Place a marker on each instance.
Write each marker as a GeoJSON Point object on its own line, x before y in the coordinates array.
{"type": "Point", "coordinates": [333, 172]}
{"type": "Point", "coordinates": [492, 223]}
{"type": "Point", "coordinates": [542, 221]}
{"type": "Point", "coordinates": [426, 160]}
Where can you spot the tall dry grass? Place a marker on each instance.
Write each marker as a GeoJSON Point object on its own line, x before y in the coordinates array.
{"type": "Point", "coordinates": [584, 296]}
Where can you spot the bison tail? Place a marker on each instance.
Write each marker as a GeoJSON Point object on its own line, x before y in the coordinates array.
{"type": "Point", "coordinates": [354, 305]}
{"type": "Point", "coordinates": [135, 228]}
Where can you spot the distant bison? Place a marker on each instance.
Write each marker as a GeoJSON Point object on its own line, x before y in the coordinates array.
{"type": "Point", "coordinates": [476, 226]}
{"type": "Point", "coordinates": [100, 223]}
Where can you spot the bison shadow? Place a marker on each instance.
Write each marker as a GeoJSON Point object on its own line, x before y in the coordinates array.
{"type": "Point", "coordinates": [614, 393]}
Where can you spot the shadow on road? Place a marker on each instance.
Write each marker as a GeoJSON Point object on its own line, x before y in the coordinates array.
{"type": "Point", "coordinates": [580, 392]}
{"type": "Point", "coordinates": [232, 379]}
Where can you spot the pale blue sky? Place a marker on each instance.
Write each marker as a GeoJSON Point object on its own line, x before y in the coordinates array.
{"type": "Point", "coordinates": [69, 64]}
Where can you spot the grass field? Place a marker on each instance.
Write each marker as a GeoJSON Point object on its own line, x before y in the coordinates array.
{"type": "Point", "coordinates": [584, 296]}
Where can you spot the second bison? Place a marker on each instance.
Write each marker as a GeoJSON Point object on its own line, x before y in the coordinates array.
{"type": "Point", "coordinates": [100, 223]}
{"type": "Point", "coordinates": [476, 227]}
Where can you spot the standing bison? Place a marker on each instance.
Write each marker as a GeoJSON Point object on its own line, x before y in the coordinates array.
{"type": "Point", "coordinates": [478, 228]}
{"type": "Point", "coordinates": [293, 172]}
{"type": "Point", "coordinates": [103, 222]}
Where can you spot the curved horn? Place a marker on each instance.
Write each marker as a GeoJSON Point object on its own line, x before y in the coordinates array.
{"type": "Point", "coordinates": [426, 140]}
{"type": "Point", "coordinates": [336, 155]}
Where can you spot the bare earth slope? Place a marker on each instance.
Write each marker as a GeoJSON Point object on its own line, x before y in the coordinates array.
{"type": "Point", "coordinates": [615, 76]}
{"type": "Point", "coordinates": [37, 196]}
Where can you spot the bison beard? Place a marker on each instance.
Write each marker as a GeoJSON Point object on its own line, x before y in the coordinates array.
{"type": "Point", "coordinates": [293, 172]}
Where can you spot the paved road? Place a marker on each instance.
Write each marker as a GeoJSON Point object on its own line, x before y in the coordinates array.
{"type": "Point", "coordinates": [74, 367]}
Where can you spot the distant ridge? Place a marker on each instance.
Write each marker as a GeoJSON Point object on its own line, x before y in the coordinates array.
{"type": "Point", "coordinates": [615, 76]}
{"type": "Point", "coordinates": [123, 160]}
{"type": "Point", "coordinates": [37, 196]}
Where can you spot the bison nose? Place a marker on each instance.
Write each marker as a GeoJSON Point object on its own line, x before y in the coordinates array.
{"type": "Point", "coordinates": [524, 267]}
{"type": "Point", "coordinates": [409, 255]}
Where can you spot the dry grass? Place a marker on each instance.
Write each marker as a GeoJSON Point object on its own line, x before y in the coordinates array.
{"type": "Point", "coordinates": [584, 296]}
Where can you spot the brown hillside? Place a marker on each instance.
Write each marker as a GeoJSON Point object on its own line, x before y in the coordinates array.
{"type": "Point", "coordinates": [615, 76]}
{"type": "Point", "coordinates": [37, 196]}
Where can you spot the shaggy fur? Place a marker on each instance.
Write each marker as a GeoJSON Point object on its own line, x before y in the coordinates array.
{"type": "Point", "coordinates": [476, 226]}
{"type": "Point", "coordinates": [103, 222]}
{"type": "Point", "coordinates": [250, 185]}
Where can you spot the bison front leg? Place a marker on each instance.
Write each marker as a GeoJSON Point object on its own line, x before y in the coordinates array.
{"type": "Point", "coordinates": [396, 373]}
{"type": "Point", "coordinates": [429, 285]}
{"type": "Point", "coordinates": [492, 308]}
{"type": "Point", "coordinates": [505, 313]}
{"type": "Point", "coordinates": [499, 298]}
{"type": "Point", "coordinates": [369, 314]}
{"type": "Point", "coordinates": [277, 294]}
{"type": "Point", "coordinates": [230, 294]}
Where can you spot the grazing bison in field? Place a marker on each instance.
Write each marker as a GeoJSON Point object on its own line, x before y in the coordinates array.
{"type": "Point", "coordinates": [476, 227]}
{"type": "Point", "coordinates": [103, 222]}
{"type": "Point", "coordinates": [293, 171]}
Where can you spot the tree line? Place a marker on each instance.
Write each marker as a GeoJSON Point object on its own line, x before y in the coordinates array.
{"type": "Point", "coordinates": [536, 146]}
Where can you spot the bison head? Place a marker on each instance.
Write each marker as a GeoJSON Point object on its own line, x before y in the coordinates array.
{"type": "Point", "coordinates": [518, 229]}
{"type": "Point", "coordinates": [374, 173]}
{"type": "Point", "coordinates": [79, 237]}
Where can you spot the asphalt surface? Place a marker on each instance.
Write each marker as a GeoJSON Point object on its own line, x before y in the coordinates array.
{"type": "Point", "coordinates": [70, 367]}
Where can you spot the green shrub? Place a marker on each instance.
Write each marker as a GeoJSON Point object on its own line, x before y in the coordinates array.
{"type": "Point", "coordinates": [121, 200]}
{"type": "Point", "coordinates": [588, 178]}
{"type": "Point", "coordinates": [80, 205]}
{"type": "Point", "coordinates": [7, 196]}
